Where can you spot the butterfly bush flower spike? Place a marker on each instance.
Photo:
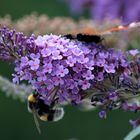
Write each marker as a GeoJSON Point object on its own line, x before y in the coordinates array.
{"type": "Point", "coordinates": [111, 9]}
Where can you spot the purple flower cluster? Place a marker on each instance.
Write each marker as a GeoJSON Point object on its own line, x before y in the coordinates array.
{"type": "Point", "coordinates": [14, 44]}
{"type": "Point", "coordinates": [125, 93]}
{"type": "Point", "coordinates": [126, 10]}
{"type": "Point", "coordinates": [65, 69]}
{"type": "Point", "coordinates": [58, 67]}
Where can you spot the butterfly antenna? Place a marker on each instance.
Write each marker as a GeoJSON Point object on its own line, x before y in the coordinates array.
{"type": "Point", "coordinates": [36, 122]}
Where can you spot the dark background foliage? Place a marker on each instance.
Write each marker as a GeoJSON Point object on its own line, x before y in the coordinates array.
{"type": "Point", "coordinates": [17, 123]}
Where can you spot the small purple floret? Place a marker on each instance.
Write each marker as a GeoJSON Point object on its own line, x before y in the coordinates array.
{"type": "Point", "coordinates": [102, 114]}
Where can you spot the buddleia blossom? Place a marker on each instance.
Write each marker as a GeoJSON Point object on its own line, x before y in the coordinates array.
{"type": "Point", "coordinates": [42, 23]}
{"type": "Point", "coordinates": [132, 85]}
{"type": "Point", "coordinates": [101, 9]}
{"type": "Point", "coordinates": [54, 65]}
{"type": "Point", "coordinates": [16, 91]}
{"type": "Point", "coordinates": [123, 91]}
{"type": "Point", "coordinates": [13, 45]}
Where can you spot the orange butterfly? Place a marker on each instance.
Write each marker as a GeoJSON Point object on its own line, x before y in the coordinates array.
{"type": "Point", "coordinates": [89, 35]}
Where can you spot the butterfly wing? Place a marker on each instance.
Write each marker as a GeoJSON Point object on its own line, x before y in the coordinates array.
{"type": "Point", "coordinates": [121, 28]}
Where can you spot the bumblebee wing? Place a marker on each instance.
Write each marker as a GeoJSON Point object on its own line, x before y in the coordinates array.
{"type": "Point", "coordinates": [86, 105]}
{"type": "Point", "coordinates": [59, 114]}
{"type": "Point", "coordinates": [36, 121]}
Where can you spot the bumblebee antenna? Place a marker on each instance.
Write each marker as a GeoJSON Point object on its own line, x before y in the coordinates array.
{"type": "Point", "coordinates": [36, 122]}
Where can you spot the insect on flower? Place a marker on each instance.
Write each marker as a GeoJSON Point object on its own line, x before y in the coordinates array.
{"type": "Point", "coordinates": [89, 35]}
{"type": "Point", "coordinates": [43, 111]}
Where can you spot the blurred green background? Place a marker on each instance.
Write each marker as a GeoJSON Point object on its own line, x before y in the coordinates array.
{"type": "Point", "coordinates": [17, 123]}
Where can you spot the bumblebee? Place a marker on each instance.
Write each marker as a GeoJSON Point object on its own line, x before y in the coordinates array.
{"type": "Point", "coordinates": [43, 111]}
